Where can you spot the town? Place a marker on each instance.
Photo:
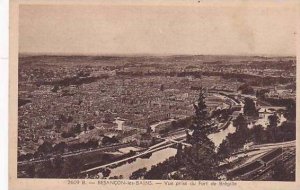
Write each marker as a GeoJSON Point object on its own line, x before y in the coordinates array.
{"type": "Point", "coordinates": [132, 117]}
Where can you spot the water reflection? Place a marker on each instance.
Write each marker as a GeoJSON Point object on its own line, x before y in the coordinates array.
{"type": "Point", "coordinates": [218, 137]}
{"type": "Point", "coordinates": [157, 157]}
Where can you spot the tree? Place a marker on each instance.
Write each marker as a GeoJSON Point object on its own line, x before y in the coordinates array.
{"type": "Point", "coordinates": [30, 171]}
{"type": "Point", "coordinates": [72, 166]}
{"type": "Point", "coordinates": [242, 134]}
{"type": "Point", "coordinates": [261, 93]}
{"type": "Point", "coordinates": [138, 173]}
{"type": "Point", "coordinates": [272, 127]}
{"type": "Point", "coordinates": [225, 113]}
{"type": "Point", "coordinates": [200, 160]}
{"type": "Point", "coordinates": [45, 148]}
{"type": "Point", "coordinates": [106, 172]}
{"type": "Point", "coordinates": [287, 131]}
{"type": "Point", "coordinates": [149, 130]}
{"type": "Point", "coordinates": [160, 170]}
{"type": "Point", "coordinates": [23, 157]}
{"type": "Point", "coordinates": [70, 119]}
{"type": "Point", "coordinates": [234, 141]}
{"type": "Point", "coordinates": [43, 170]}
{"type": "Point", "coordinates": [273, 120]}
{"type": "Point", "coordinates": [240, 123]}
{"type": "Point", "coordinates": [179, 154]}
{"type": "Point", "coordinates": [58, 164]}
{"type": "Point", "coordinates": [60, 147]}
{"type": "Point", "coordinates": [85, 127]}
{"type": "Point", "coordinates": [91, 127]}
{"type": "Point", "coordinates": [258, 134]}
{"type": "Point", "coordinates": [246, 89]}
{"type": "Point", "coordinates": [108, 140]}
{"type": "Point", "coordinates": [67, 134]}
{"type": "Point", "coordinates": [201, 124]}
{"type": "Point", "coordinates": [291, 110]}
{"type": "Point", "coordinates": [55, 88]}
{"type": "Point", "coordinates": [63, 118]}
{"type": "Point", "coordinates": [77, 128]}
{"type": "Point", "coordinates": [249, 108]}
{"type": "Point", "coordinates": [224, 149]}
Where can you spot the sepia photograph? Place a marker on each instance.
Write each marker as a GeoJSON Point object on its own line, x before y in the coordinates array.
{"type": "Point", "coordinates": [147, 92]}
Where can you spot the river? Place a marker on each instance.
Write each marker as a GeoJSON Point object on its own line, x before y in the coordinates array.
{"type": "Point", "coordinates": [162, 155]}
{"type": "Point", "coordinates": [153, 126]}
{"type": "Point", "coordinates": [218, 137]}
{"type": "Point", "coordinates": [156, 157]}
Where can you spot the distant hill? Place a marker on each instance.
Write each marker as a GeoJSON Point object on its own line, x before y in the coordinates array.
{"type": "Point", "coordinates": [208, 59]}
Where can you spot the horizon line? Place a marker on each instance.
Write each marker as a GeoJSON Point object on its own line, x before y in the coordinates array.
{"type": "Point", "coordinates": [145, 54]}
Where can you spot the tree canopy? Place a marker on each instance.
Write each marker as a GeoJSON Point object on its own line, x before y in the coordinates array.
{"type": "Point", "coordinates": [249, 108]}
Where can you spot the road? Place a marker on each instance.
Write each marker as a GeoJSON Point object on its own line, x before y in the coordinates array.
{"type": "Point", "coordinates": [175, 141]}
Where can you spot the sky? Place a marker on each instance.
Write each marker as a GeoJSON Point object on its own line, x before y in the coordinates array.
{"type": "Point", "coordinates": [163, 30]}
